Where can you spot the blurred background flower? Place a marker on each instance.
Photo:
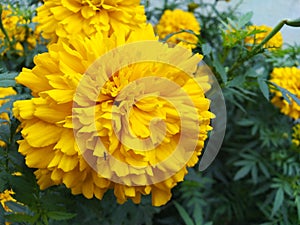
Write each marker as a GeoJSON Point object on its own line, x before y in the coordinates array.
{"type": "Point", "coordinates": [173, 21]}
{"type": "Point", "coordinates": [19, 35]}
{"type": "Point", "coordinates": [87, 17]}
{"type": "Point", "coordinates": [260, 32]}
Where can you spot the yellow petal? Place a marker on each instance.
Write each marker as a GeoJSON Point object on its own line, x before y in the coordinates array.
{"type": "Point", "coordinates": [160, 197]}
{"type": "Point", "coordinates": [40, 134]}
{"type": "Point", "coordinates": [88, 187]}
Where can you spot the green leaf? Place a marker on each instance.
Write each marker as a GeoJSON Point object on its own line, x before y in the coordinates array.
{"type": "Point", "coordinates": [245, 19]}
{"type": "Point", "coordinates": [278, 200]}
{"type": "Point", "coordinates": [264, 169]}
{"type": "Point", "coordinates": [184, 215]}
{"type": "Point", "coordinates": [209, 223]}
{"type": "Point", "coordinates": [236, 82]}
{"type": "Point", "coordinates": [8, 79]}
{"type": "Point", "coordinates": [17, 217]}
{"type": "Point", "coordinates": [220, 69]}
{"type": "Point", "coordinates": [286, 94]}
{"type": "Point", "coordinates": [242, 172]}
{"type": "Point", "coordinates": [57, 215]}
{"type": "Point", "coordinates": [197, 214]}
{"type": "Point", "coordinates": [16, 207]}
{"type": "Point", "coordinates": [297, 201]}
{"type": "Point", "coordinates": [4, 132]}
{"type": "Point", "coordinates": [264, 88]}
{"type": "Point", "coordinates": [2, 221]}
{"type": "Point", "coordinates": [206, 49]}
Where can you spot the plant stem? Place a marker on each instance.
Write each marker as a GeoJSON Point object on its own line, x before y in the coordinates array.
{"type": "Point", "coordinates": [259, 48]}
{"type": "Point", "coordinates": [165, 4]}
{"type": "Point", "coordinates": [6, 37]}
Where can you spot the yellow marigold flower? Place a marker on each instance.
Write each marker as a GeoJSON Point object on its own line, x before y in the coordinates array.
{"type": "Point", "coordinates": [6, 197]}
{"type": "Point", "coordinates": [175, 21]}
{"type": "Point", "coordinates": [275, 42]}
{"type": "Point", "coordinates": [82, 143]}
{"type": "Point", "coordinates": [16, 31]}
{"type": "Point", "coordinates": [4, 92]}
{"type": "Point", "coordinates": [288, 78]}
{"type": "Point", "coordinates": [62, 18]}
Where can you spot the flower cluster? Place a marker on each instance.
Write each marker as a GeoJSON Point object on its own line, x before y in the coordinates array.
{"type": "Point", "coordinates": [176, 21]}
{"type": "Point", "coordinates": [17, 32]}
{"type": "Point", "coordinates": [260, 32]}
{"type": "Point", "coordinates": [84, 129]}
{"type": "Point", "coordinates": [288, 78]}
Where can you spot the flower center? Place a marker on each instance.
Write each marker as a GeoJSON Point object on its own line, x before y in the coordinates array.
{"type": "Point", "coordinates": [95, 4]}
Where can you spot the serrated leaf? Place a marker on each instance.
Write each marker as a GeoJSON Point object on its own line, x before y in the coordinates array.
{"type": "Point", "coordinates": [184, 215]}
{"type": "Point", "coordinates": [279, 197]}
{"type": "Point", "coordinates": [242, 172]}
{"type": "Point", "coordinates": [57, 215]}
{"type": "Point", "coordinates": [263, 86]}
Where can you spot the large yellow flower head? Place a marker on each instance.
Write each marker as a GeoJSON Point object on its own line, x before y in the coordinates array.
{"type": "Point", "coordinates": [296, 135]}
{"type": "Point", "coordinates": [63, 18]}
{"type": "Point", "coordinates": [288, 78]}
{"type": "Point", "coordinates": [176, 21]}
{"type": "Point", "coordinates": [129, 120]}
{"type": "Point", "coordinates": [16, 31]}
{"type": "Point", "coordinates": [5, 92]}
{"type": "Point", "coordinates": [274, 43]}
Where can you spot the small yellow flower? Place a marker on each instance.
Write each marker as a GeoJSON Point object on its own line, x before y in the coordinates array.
{"type": "Point", "coordinates": [93, 139]}
{"type": "Point", "coordinates": [176, 21]}
{"type": "Point", "coordinates": [275, 42]}
{"type": "Point", "coordinates": [6, 197]}
{"type": "Point", "coordinates": [63, 18]}
{"type": "Point", "coordinates": [288, 78]}
{"type": "Point", "coordinates": [296, 135]}
{"type": "Point", "coordinates": [4, 92]}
